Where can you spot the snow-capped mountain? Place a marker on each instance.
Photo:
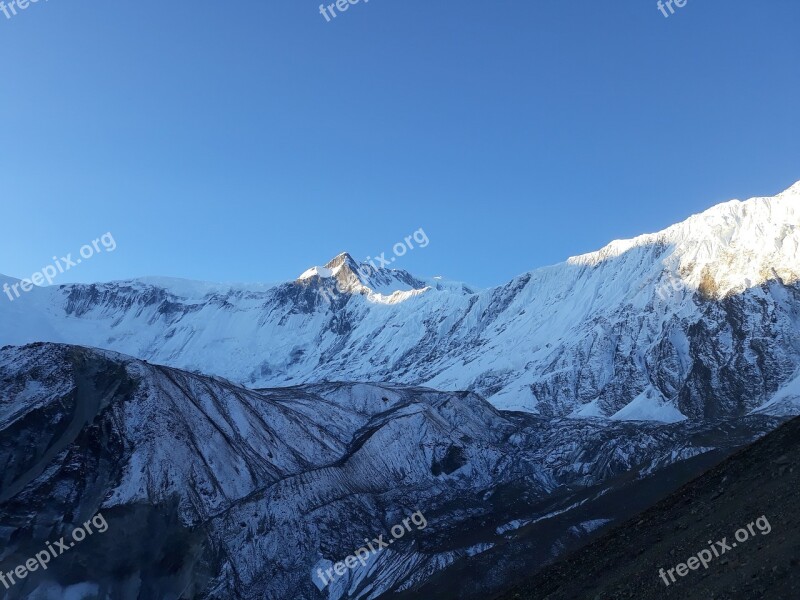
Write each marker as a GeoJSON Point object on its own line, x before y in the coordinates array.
{"type": "Point", "coordinates": [211, 490]}
{"type": "Point", "coordinates": [222, 488]}
{"type": "Point", "coordinates": [699, 320]}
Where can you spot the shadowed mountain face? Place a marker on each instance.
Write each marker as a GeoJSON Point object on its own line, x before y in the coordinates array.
{"type": "Point", "coordinates": [211, 490]}
{"type": "Point", "coordinates": [701, 320]}
{"type": "Point", "coordinates": [755, 490]}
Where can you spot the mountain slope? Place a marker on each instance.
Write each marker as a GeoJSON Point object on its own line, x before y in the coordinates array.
{"type": "Point", "coordinates": [223, 492]}
{"type": "Point", "coordinates": [761, 480]}
{"type": "Point", "coordinates": [698, 321]}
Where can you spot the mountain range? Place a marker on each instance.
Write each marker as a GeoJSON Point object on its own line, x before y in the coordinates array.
{"type": "Point", "coordinates": [239, 439]}
{"type": "Point", "coordinates": [699, 320]}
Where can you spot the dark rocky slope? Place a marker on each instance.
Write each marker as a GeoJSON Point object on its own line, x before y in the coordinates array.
{"type": "Point", "coordinates": [761, 480]}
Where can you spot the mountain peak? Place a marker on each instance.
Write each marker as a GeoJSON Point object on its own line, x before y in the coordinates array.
{"type": "Point", "coordinates": [340, 260]}
{"type": "Point", "coordinates": [380, 285]}
{"type": "Point", "coordinates": [341, 266]}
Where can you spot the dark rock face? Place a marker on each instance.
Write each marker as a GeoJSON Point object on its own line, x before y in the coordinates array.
{"type": "Point", "coordinates": [211, 490]}
{"type": "Point", "coordinates": [760, 481]}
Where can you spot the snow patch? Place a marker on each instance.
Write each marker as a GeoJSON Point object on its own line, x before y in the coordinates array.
{"type": "Point", "coordinates": [785, 402]}
{"type": "Point", "coordinates": [650, 405]}
{"type": "Point", "coordinates": [316, 272]}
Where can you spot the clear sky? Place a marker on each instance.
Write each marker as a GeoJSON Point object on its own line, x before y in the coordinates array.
{"type": "Point", "coordinates": [250, 140]}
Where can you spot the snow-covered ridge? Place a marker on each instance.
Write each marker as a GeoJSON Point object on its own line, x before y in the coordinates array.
{"type": "Point", "coordinates": [737, 244]}
{"type": "Point", "coordinates": [683, 323]}
{"type": "Point", "coordinates": [195, 290]}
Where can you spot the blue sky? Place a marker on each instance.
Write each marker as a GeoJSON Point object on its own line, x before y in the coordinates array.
{"type": "Point", "coordinates": [248, 141]}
